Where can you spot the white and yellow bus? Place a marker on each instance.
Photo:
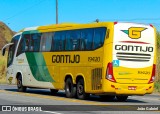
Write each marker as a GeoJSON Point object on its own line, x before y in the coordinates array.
{"type": "Point", "coordinates": [109, 59]}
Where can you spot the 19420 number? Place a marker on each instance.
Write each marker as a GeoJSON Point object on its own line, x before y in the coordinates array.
{"type": "Point", "coordinates": [94, 59]}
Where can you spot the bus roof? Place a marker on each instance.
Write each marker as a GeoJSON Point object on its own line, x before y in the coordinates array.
{"type": "Point", "coordinates": [61, 25]}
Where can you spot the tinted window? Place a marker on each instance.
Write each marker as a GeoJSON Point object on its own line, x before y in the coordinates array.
{"type": "Point", "coordinates": [82, 39]}
{"type": "Point", "coordinates": [46, 40]}
{"type": "Point", "coordinates": [24, 44]}
{"type": "Point", "coordinates": [11, 50]}
{"type": "Point", "coordinates": [29, 42]}
{"type": "Point", "coordinates": [35, 42]}
{"type": "Point", "coordinates": [21, 47]}
{"type": "Point", "coordinates": [69, 40]}
{"type": "Point", "coordinates": [76, 36]}
{"type": "Point", "coordinates": [98, 39]}
{"type": "Point", "coordinates": [26, 38]}
{"type": "Point", "coordinates": [87, 39]}
{"type": "Point", "coordinates": [62, 40]}
{"type": "Point", "coordinates": [56, 45]}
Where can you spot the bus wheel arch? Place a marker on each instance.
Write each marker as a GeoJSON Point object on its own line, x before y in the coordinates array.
{"type": "Point", "coordinates": [70, 88]}
{"type": "Point", "coordinates": [20, 86]}
{"type": "Point", "coordinates": [81, 94]}
{"type": "Point", "coordinates": [18, 74]}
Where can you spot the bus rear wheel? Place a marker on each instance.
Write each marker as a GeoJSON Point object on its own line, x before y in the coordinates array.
{"type": "Point", "coordinates": [20, 86]}
{"type": "Point", "coordinates": [121, 98]}
{"type": "Point", "coordinates": [70, 89]}
{"type": "Point", "coordinates": [81, 91]}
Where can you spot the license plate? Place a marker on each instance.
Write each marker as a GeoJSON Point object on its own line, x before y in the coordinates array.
{"type": "Point", "coordinates": [132, 87]}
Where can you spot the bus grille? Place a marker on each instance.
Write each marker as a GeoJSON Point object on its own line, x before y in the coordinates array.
{"type": "Point", "coordinates": [96, 79]}
{"type": "Point", "coordinates": [134, 57]}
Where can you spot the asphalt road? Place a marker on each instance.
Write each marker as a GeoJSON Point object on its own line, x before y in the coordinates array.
{"type": "Point", "coordinates": [45, 102]}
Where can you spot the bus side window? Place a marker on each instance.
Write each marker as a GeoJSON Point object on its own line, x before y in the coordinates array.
{"type": "Point", "coordinates": [83, 41]}
{"type": "Point", "coordinates": [26, 44]}
{"type": "Point", "coordinates": [43, 41]}
{"type": "Point", "coordinates": [76, 39]}
{"type": "Point", "coordinates": [83, 44]}
{"type": "Point", "coordinates": [99, 35]}
{"type": "Point", "coordinates": [62, 41]}
{"type": "Point", "coordinates": [56, 42]}
{"type": "Point", "coordinates": [21, 47]}
{"type": "Point", "coordinates": [35, 42]}
{"type": "Point", "coordinates": [69, 41]}
{"type": "Point", "coordinates": [31, 44]}
{"type": "Point", "coordinates": [26, 41]}
{"type": "Point", "coordinates": [11, 51]}
{"type": "Point", "coordinates": [46, 40]}
{"type": "Point", "coordinates": [87, 37]}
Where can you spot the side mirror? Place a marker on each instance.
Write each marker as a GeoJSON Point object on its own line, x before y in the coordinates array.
{"type": "Point", "coordinates": [4, 48]}
{"type": "Point", "coordinates": [3, 51]}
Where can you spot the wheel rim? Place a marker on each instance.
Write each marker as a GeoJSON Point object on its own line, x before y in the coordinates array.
{"type": "Point", "coordinates": [19, 83]}
{"type": "Point", "coordinates": [69, 87]}
{"type": "Point", "coordinates": [80, 89]}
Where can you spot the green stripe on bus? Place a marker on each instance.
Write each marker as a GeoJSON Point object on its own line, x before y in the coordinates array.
{"type": "Point", "coordinates": [38, 67]}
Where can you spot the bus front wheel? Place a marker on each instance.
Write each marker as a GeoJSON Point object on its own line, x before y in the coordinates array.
{"type": "Point", "coordinates": [121, 98]}
{"type": "Point", "coordinates": [81, 91]}
{"type": "Point", "coordinates": [20, 86]}
{"type": "Point", "coordinates": [70, 90]}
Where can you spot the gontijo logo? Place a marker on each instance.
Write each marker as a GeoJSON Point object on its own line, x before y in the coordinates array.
{"type": "Point", "coordinates": [134, 32]}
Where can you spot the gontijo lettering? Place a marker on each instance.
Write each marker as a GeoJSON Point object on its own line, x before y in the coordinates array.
{"type": "Point", "coordinates": [65, 58]}
{"type": "Point", "coordinates": [134, 48]}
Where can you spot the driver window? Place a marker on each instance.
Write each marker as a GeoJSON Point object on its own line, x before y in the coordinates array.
{"type": "Point", "coordinates": [11, 50]}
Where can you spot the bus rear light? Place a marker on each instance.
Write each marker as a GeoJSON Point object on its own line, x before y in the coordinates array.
{"type": "Point", "coordinates": [151, 25]}
{"type": "Point", "coordinates": [153, 74]}
{"type": "Point", "coordinates": [109, 73]}
{"type": "Point", "coordinates": [115, 23]}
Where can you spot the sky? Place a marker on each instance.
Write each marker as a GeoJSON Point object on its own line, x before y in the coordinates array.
{"type": "Point", "coordinates": [19, 14]}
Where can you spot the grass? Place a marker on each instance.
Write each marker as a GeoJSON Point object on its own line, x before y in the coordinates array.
{"type": "Point", "coordinates": [157, 86]}
{"type": "Point", "coordinates": [157, 82]}
{"type": "Point", "coordinates": [3, 62]}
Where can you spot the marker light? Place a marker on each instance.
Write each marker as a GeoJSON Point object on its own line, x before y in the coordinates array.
{"type": "Point", "coordinates": [153, 74]}
{"type": "Point", "coordinates": [109, 73]}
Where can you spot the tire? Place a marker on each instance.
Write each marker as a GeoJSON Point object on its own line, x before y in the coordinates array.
{"type": "Point", "coordinates": [107, 97]}
{"type": "Point", "coordinates": [81, 91]}
{"type": "Point", "coordinates": [53, 91]}
{"type": "Point", "coordinates": [121, 98]}
{"type": "Point", "coordinates": [70, 90]}
{"type": "Point", "coordinates": [20, 86]}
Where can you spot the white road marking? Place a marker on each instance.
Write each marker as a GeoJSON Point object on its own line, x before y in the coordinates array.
{"type": "Point", "coordinates": [52, 112]}
{"type": "Point", "coordinates": [145, 98]}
